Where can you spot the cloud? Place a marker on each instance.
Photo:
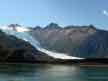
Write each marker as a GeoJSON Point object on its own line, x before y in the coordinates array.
{"type": "Point", "coordinates": [105, 12]}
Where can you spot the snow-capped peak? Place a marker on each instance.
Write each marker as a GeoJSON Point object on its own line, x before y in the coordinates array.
{"type": "Point", "coordinates": [14, 28]}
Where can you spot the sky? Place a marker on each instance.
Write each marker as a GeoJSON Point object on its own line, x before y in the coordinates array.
{"type": "Point", "coordinates": [62, 12]}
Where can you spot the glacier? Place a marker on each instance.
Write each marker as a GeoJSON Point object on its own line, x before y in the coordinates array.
{"type": "Point", "coordinates": [22, 33]}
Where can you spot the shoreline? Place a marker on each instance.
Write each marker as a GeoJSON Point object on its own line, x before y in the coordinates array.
{"type": "Point", "coordinates": [76, 64]}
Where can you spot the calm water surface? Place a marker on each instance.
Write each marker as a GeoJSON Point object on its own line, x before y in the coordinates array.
{"type": "Point", "coordinates": [48, 72]}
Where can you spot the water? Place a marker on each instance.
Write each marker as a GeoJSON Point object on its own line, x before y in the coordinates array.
{"type": "Point", "coordinates": [48, 72]}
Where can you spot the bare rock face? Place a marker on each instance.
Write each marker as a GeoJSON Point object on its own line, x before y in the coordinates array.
{"type": "Point", "coordinates": [80, 41]}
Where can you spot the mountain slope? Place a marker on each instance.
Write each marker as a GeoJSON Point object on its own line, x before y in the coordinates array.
{"type": "Point", "coordinates": [13, 49]}
{"type": "Point", "coordinates": [80, 41]}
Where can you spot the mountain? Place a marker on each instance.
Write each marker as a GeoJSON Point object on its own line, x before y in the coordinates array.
{"type": "Point", "coordinates": [53, 45]}
{"type": "Point", "coordinates": [80, 41]}
{"type": "Point", "coordinates": [52, 26]}
{"type": "Point", "coordinates": [13, 49]}
{"type": "Point", "coordinates": [19, 46]}
{"type": "Point", "coordinates": [14, 25]}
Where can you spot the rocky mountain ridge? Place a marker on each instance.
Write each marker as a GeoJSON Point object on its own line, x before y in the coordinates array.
{"type": "Point", "coordinates": [80, 41]}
